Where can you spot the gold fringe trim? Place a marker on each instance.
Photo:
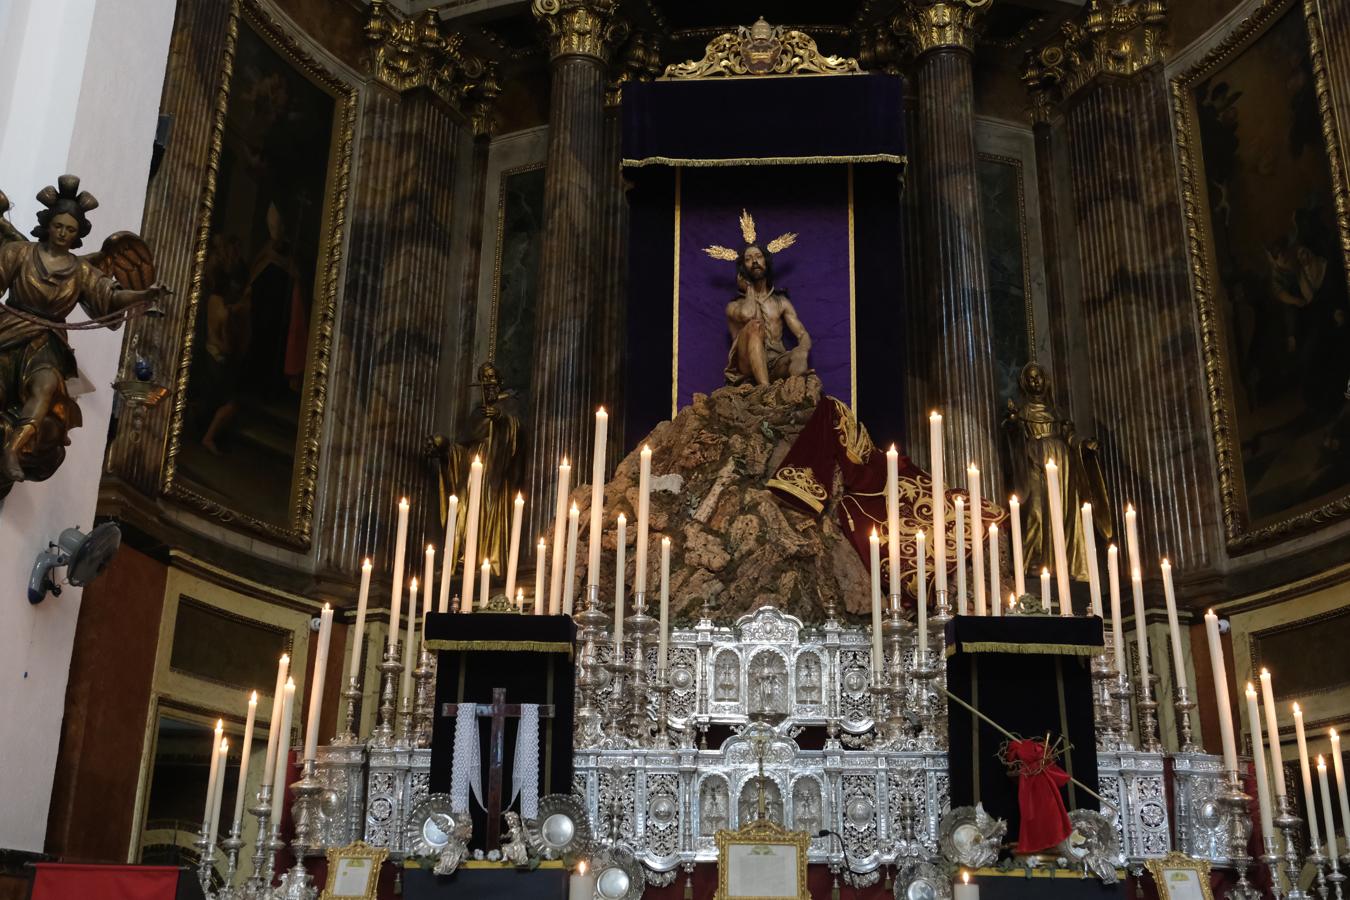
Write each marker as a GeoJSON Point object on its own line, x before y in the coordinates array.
{"type": "Point", "coordinates": [489, 864]}
{"type": "Point", "coordinates": [797, 492]}
{"type": "Point", "coordinates": [1030, 649]}
{"type": "Point", "coordinates": [507, 646]}
{"type": "Point", "coordinates": [678, 161]}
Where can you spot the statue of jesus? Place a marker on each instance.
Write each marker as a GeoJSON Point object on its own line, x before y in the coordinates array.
{"type": "Point", "coordinates": [758, 316]}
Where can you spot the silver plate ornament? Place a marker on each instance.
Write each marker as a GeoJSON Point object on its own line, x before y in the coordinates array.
{"type": "Point", "coordinates": [433, 825]}
{"type": "Point", "coordinates": [561, 829]}
{"type": "Point", "coordinates": [970, 837]}
{"type": "Point", "coordinates": [618, 875]}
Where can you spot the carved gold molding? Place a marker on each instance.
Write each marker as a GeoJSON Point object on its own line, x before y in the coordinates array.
{"type": "Point", "coordinates": [1227, 444]}
{"type": "Point", "coordinates": [408, 54]}
{"type": "Point", "coordinates": [586, 28]}
{"type": "Point", "coordinates": [941, 24]}
{"type": "Point", "coordinates": [1114, 37]}
{"type": "Point", "coordinates": [763, 49]}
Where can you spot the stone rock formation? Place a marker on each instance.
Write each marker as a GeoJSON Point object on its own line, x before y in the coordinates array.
{"type": "Point", "coordinates": [734, 547]}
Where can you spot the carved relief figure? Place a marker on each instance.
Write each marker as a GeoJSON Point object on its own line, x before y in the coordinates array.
{"type": "Point", "coordinates": [759, 315]}
{"type": "Point", "coordinates": [727, 682]}
{"type": "Point", "coordinates": [713, 807]}
{"type": "Point", "coordinates": [806, 807]}
{"type": "Point", "coordinates": [768, 684]}
{"type": "Point", "coordinates": [44, 282]}
{"type": "Point", "coordinates": [808, 679]}
{"type": "Point", "coordinates": [748, 808]}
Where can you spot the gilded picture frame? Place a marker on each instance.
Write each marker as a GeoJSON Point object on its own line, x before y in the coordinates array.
{"type": "Point", "coordinates": [1179, 877]}
{"type": "Point", "coordinates": [356, 862]}
{"type": "Point", "coordinates": [766, 843]}
{"type": "Point", "coordinates": [295, 529]}
{"type": "Point", "coordinates": [1246, 528]}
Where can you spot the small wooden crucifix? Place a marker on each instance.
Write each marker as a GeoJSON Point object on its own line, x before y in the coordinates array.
{"type": "Point", "coordinates": [498, 711]}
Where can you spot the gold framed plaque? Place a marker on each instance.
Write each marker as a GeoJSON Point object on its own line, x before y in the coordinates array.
{"type": "Point", "coordinates": [1179, 877]}
{"type": "Point", "coordinates": [762, 861]}
{"type": "Point", "coordinates": [353, 872]}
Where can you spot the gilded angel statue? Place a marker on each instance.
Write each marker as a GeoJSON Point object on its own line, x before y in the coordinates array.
{"type": "Point", "coordinates": [44, 282]}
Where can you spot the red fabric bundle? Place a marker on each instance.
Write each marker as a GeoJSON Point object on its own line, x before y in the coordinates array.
{"type": "Point", "coordinates": [1045, 821]}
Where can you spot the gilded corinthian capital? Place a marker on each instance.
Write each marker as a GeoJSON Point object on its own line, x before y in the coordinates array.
{"type": "Point", "coordinates": [939, 24]}
{"type": "Point", "coordinates": [581, 27]}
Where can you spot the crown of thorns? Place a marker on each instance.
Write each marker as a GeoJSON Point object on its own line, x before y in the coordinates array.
{"type": "Point", "coordinates": [782, 242]}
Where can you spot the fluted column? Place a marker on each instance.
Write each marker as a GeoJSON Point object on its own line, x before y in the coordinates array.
{"type": "Point", "coordinates": [956, 297]}
{"type": "Point", "coordinates": [572, 264]}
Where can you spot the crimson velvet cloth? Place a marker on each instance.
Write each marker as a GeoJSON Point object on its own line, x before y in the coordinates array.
{"type": "Point", "coordinates": [64, 881]}
{"type": "Point", "coordinates": [1045, 821]}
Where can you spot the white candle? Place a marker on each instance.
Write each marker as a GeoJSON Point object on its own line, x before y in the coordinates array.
{"type": "Point", "coordinates": [960, 529]}
{"type": "Point", "coordinates": [1259, 757]}
{"type": "Point", "coordinates": [977, 538]}
{"type": "Point", "coordinates": [662, 647]}
{"type": "Point", "coordinates": [211, 776]}
{"type": "Point", "coordinates": [1019, 576]}
{"type": "Point", "coordinates": [1308, 804]}
{"type": "Point", "coordinates": [317, 679]}
{"type": "Point", "coordinates": [359, 628]}
{"type": "Point", "coordinates": [471, 534]}
{"type": "Point", "coordinates": [1090, 550]}
{"type": "Point", "coordinates": [570, 575]}
{"type": "Point", "coordinates": [1273, 735]}
{"type": "Point", "coordinates": [874, 543]}
{"type": "Point", "coordinates": [247, 747]}
{"type": "Point", "coordinates": [1132, 536]}
{"type": "Point", "coordinates": [559, 536]}
{"type": "Point", "coordinates": [283, 669]}
{"type": "Point", "coordinates": [278, 772]}
{"type": "Point", "coordinates": [995, 582]}
{"type": "Point", "coordinates": [964, 890]}
{"type": "Point", "coordinates": [485, 572]}
{"type": "Point", "coordinates": [1174, 628]}
{"type": "Point", "coordinates": [218, 792]}
{"type": "Point", "coordinates": [597, 497]}
{"type": "Point", "coordinates": [1327, 815]}
{"type": "Point", "coordinates": [1340, 780]}
{"type": "Point", "coordinates": [540, 558]}
{"type": "Point", "coordinates": [1057, 538]}
{"type": "Point", "coordinates": [1221, 692]}
{"type": "Point", "coordinates": [939, 507]}
{"type": "Point", "coordinates": [581, 884]}
{"type": "Point", "coordinates": [1045, 589]}
{"type": "Point", "coordinates": [1140, 630]}
{"type": "Point", "coordinates": [396, 590]}
{"type": "Point", "coordinates": [451, 546]}
{"type": "Point", "coordinates": [408, 640]}
{"type": "Point", "coordinates": [1117, 630]}
{"type": "Point", "coordinates": [921, 610]}
{"type": "Point", "coordinates": [520, 599]}
{"type": "Point", "coordinates": [428, 582]}
{"type": "Point", "coordinates": [513, 555]}
{"type": "Point", "coordinates": [643, 515]}
{"type": "Point", "coordinates": [619, 554]}
{"type": "Point", "coordinates": [893, 519]}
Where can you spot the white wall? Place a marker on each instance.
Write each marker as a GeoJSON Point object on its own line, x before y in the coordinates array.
{"type": "Point", "coordinates": [80, 84]}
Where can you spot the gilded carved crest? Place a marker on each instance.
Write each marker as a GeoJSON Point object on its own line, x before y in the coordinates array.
{"type": "Point", "coordinates": [762, 49]}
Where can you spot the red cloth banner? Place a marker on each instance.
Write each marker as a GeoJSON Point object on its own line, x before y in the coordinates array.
{"type": "Point", "coordinates": [1045, 821]}
{"type": "Point", "coordinates": [66, 881]}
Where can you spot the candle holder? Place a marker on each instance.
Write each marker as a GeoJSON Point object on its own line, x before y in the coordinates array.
{"type": "Point", "coordinates": [352, 695]}
{"type": "Point", "coordinates": [424, 709]}
{"type": "Point", "coordinates": [1335, 877]}
{"type": "Point", "coordinates": [231, 845]}
{"type": "Point", "coordinates": [895, 630]}
{"type": "Point", "coordinates": [295, 884]}
{"type": "Point", "coordinates": [1184, 705]}
{"type": "Point", "coordinates": [616, 710]}
{"type": "Point", "coordinates": [1148, 715]}
{"type": "Point", "coordinates": [643, 629]}
{"type": "Point", "coordinates": [1121, 693]}
{"type": "Point", "coordinates": [942, 612]}
{"type": "Point", "coordinates": [1319, 864]}
{"type": "Point", "coordinates": [1236, 801]}
{"type": "Point", "coordinates": [1271, 858]}
{"type": "Point", "coordinates": [391, 667]}
{"type": "Point", "coordinates": [1103, 706]}
{"type": "Point", "coordinates": [662, 689]}
{"type": "Point", "coordinates": [590, 677]}
{"type": "Point", "coordinates": [406, 732]}
{"type": "Point", "coordinates": [205, 862]}
{"type": "Point", "coordinates": [1288, 824]}
{"type": "Point", "coordinates": [262, 811]}
{"type": "Point", "coordinates": [922, 674]}
{"type": "Point", "coordinates": [274, 845]}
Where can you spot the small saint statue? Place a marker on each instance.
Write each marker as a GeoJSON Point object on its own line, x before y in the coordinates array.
{"type": "Point", "coordinates": [493, 435]}
{"type": "Point", "coordinates": [758, 316]}
{"type": "Point", "coordinates": [45, 281]}
{"type": "Point", "coordinates": [1039, 432]}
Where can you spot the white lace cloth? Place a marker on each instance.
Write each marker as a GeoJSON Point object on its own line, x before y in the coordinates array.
{"type": "Point", "coordinates": [525, 769]}
{"type": "Point", "coordinates": [465, 772]}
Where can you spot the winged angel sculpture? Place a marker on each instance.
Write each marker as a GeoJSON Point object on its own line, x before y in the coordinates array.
{"type": "Point", "coordinates": [44, 282]}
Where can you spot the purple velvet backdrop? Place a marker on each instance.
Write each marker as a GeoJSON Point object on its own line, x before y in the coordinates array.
{"type": "Point", "coordinates": [810, 200]}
